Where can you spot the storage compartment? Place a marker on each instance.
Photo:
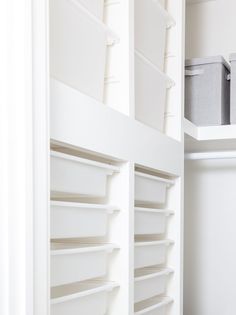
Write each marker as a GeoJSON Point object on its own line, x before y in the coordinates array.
{"type": "Point", "coordinates": [233, 89]}
{"type": "Point", "coordinates": [151, 23]}
{"type": "Point", "coordinates": [150, 221]}
{"type": "Point", "coordinates": [73, 175]}
{"type": "Point", "coordinates": [78, 46]}
{"type": "Point", "coordinates": [94, 6]}
{"type": "Point", "coordinates": [151, 189]}
{"type": "Point", "coordinates": [75, 262]}
{"type": "Point", "coordinates": [150, 253]}
{"type": "Point", "coordinates": [207, 91]}
{"type": "Point", "coordinates": [90, 298]}
{"type": "Point", "coordinates": [150, 93]}
{"type": "Point", "coordinates": [75, 220]}
{"type": "Point", "coordinates": [149, 283]}
{"type": "Point", "coordinates": [153, 306]}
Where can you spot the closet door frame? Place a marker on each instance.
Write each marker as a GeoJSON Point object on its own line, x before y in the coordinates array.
{"type": "Point", "coordinates": [24, 157]}
{"type": "Point", "coordinates": [41, 147]}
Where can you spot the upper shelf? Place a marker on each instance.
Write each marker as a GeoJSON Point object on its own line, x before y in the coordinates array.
{"type": "Point", "coordinates": [209, 138]}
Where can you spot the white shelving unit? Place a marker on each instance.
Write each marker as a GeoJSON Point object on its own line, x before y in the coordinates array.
{"type": "Point", "coordinates": [66, 120]}
{"type": "Point", "coordinates": [107, 132]}
{"type": "Point", "coordinates": [49, 109]}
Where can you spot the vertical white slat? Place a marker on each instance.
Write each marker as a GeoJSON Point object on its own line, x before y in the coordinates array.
{"type": "Point", "coordinates": [41, 156]}
{"type": "Point", "coordinates": [4, 286]}
{"type": "Point", "coordinates": [121, 194]}
{"type": "Point", "coordinates": [23, 123]}
{"type": "Point", "coordinates": [16, 158]}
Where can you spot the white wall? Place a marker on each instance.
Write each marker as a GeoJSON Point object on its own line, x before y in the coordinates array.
{"type": "Point", "coordinates": [210, 238]}
{"type": "Point", "coordinates": [210, 28]}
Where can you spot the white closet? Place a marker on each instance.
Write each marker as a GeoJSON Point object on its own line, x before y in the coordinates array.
{"type": "Point", "coordinates": [210, 257]}
{"type": "Point", "coordinates": [115, 230]}
{"type": "Point", "coordinates": [115, 188]}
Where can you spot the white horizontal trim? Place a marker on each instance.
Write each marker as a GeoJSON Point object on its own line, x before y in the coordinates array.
{"type": "Point", "coordinates": [147, 309]}
{"type": "Point", "coordinates": [153, 273]}
{"type": "Point", "coordinates": [111, 2]}
{"type": "Point", "coordinates": [84, 161]}
{"type": "Point", "coordinates": [85, 248]}
{"type": "Point", "coordinates": [89, 206]}
{"type": "Point", "coordinates": [211, 155]}
{"type": "Point", "coordinates": [153, 243]}
{"type": "Point", "coordinates": [189, 2]}
{"type": "Point", "coordinates": [208, 133]}
{"type": "Point", "coordinates": [161, 211]}
{"type": "Point", "coordinates": [156, 178]}
{"type": "Point", "coordinates": [107, 286]}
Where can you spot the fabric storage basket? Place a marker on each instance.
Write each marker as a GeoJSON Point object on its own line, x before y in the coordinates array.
{"type": "Point", "coordinates": [150, 93]}
{"type": "Point", "coordinates": [151, 189]}
{"type": "Point", "coordinates": [151, 18]}
{"type": "Point", "coordinates": [233, 89]}
{"type": "Point", "coordinates": [150, 283]}
{"type": "Point", "coordinates": [76, 220]}
{"type": "Point", "coordinates": [73, 175]}
{"type": "Point", "coordinates": [207, 91]}
{"type": "Point", "coordinates": [150, 221]}
{"type": "Point", "coordinates": [153, 306]}
{"type": "Point", "coordinates": [152, 253]}
{"type": "Point", "coordinates": [94, 6]}
{"type": "Point", "coordinates": [83, 298]}
{"type": "Point", "coordinates": [73, 262]}
{"type": "Point", "coordinates": [77, 47]}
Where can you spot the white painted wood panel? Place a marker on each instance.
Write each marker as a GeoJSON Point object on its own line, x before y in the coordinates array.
{"type": "Point", "coordinates": [210, 255]}
{"type": "Point", "coordinates": [80, 121]}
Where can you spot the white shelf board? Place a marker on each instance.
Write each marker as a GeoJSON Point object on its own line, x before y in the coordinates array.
{"type": "Point", "coordinates": [197, 1]}
{"type": "Point", "coordinates": [209, 138]}
{"type": "Point", "coordinates": [83, 122]}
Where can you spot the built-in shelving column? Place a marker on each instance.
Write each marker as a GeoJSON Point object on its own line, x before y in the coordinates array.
{"type": "Point", "coordinates": [90, 233]}
{"type": "Point", "coordinates": [88, 124]}
{"type": "Point", "coordinates": [157, 257]}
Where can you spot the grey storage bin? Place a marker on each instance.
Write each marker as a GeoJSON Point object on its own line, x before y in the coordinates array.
{"type": "Point", "coordinates": [232, 59]}
{"type": "Point", "coordinates": [207, 91]}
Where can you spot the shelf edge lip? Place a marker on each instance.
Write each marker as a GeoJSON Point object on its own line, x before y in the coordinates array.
{"type": "Point", "coordinates": [166, 301]}
{"type": "Point", "coordinates": [84, 161]}
{"type": "Point", "coordinates": [156, 273]}
{"type": "Point", "coordinates": [153, 243]}
{"type": "Point", "coordinates": [209, 133]}
{"type": "Point", "coordinates": [80, 250]}
{"type": "Point", "coordinates": [108, 208]}
{"type": "Point", "coordinates": [156, 178]}
{"type": "Point", "coordinates": [153, 210]}
{"type": "Point", "coordinates": [104, 287]}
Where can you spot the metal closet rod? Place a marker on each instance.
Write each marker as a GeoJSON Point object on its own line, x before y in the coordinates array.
{"type": "Point", "coordinates": [210, 155]}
